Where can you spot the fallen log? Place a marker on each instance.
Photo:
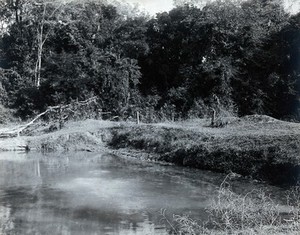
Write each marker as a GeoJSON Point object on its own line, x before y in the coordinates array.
{"type": "Point", "coordinates": [15, 132]}
{"type": "Point", "coordinates": [8, 135]}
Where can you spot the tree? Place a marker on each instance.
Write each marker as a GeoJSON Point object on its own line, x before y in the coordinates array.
{"type": "Point", "coordinates": [285, 79]}
{"type": "Point", "coordinates": [29, 28]}
{"type": "Point", "coordinates": [245, 53]}
{"type": "Point", "coordinates": [220, 49]}
{"type": "Point", "coordinates": [91, 53]}
{"type": "Point", "coordinates": [47, 18]}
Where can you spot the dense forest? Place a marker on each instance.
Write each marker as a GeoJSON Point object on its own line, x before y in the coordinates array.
{"type": "Point", "coordinates": [239, 58]}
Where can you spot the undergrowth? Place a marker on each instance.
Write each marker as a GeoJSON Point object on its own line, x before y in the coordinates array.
{"type": "Point", "coordinates": [252, 213]}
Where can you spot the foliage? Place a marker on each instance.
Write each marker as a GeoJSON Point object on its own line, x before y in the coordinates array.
{"type": "Point", "coordinates": [197, 53]}
{"type": "Point", "coordinates": [6, 115]}
{"type": "Point", "coordinates": [11, 83]}
{"type": "Point", "coordinates": [245, 53]}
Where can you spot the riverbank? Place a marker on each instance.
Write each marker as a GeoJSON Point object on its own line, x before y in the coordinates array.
{"type": "Point", "coordinates": [257, 146]}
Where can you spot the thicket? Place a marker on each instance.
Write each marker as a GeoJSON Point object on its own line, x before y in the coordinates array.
{"type": "Point", "coordinates": [236, 58]}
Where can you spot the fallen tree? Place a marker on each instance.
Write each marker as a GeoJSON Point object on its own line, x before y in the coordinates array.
{"type": "Point", "coordinates": [58, 113]}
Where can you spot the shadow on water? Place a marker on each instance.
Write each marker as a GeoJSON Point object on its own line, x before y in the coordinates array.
{"type": "Point", "coordinates": [99, 194]}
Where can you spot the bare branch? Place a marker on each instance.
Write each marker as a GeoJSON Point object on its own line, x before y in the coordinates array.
{"type": "Point", "coordinates": [16, 131]}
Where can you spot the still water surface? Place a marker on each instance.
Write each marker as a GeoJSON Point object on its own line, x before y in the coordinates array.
{"type": "Point", "coordinates": [98, 194]}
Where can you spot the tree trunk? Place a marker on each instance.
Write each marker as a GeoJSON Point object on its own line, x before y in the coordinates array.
{"type": "Point", "coordinates": [40, 41]}
{"type": "Point", "coordinates": [38, 67]}
{"type": "Point", "coordinates": [137, 117]}
{"type": "Point", "coordinates": [213, 117]}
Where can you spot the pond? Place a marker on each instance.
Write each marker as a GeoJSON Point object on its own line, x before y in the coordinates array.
{"type": "Point", "coordinates": [88, 193]}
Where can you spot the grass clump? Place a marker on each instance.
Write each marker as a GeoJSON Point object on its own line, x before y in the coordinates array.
{"type": "Point", "coordinates": [252, 213]}
{"type": "Point", "coordinates": [231, 212]}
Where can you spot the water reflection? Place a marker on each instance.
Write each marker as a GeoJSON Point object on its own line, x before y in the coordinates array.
{"type": "Point", "coordinates": [87, 194]}
{"type": "Point", "coordinates": [96, 194]}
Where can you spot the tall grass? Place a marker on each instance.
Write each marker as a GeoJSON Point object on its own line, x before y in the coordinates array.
{"type": "Point", "coordinates": [252, 213]}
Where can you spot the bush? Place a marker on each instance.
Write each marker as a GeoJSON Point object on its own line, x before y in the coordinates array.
{"type": "Point", "coordinates": [29, 101]}
{"type": "Point", "coordinates": [6, 115]}
{"type": "Point", "coordinates": [10, 85]}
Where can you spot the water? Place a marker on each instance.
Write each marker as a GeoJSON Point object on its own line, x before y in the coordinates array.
{"type": "Point", "coordinates": [98, 194]}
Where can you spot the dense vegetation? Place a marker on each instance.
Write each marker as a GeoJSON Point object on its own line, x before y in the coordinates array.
{"type": "Point", "coordinates": [242, 58]}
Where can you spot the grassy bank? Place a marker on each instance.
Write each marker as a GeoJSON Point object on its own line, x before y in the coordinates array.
{"type": "Point", "coordinates": [89, 135]}
{"type": "Point", "coordinates": [256, 146]}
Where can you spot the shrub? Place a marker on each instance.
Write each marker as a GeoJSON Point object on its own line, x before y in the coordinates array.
{"type": "Point", "coordinates": [10, 85]}
{"type": "Point", "coordinates": [6, 114]}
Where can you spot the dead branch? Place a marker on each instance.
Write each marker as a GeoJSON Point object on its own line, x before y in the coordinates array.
{"type": "Point", "coordinates": [17, 131]}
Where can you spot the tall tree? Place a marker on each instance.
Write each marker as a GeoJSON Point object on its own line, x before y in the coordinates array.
{"type": "Point", "coordinates": [46, 19]}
